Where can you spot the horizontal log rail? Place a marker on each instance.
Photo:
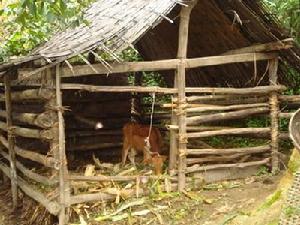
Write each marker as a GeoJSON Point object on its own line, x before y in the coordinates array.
{"type": "Point", "coordinates": [225, 116]}
{"type": "Point", "coordinates": [289, 98]}
{"type": "Point", "coordinates": [30, 174]}
{"type": "Point", "coordinates": [42, 120]}
{"type": "Point", "coordinates": [198, 168]}
{"type": "Point", "coordinates": [259, 90]}
{"type": "Point", "coordinates": [29, 132]}
{"type": "Point", "coordinates": [101, 178]}
{"type": "Point", "coordinates": [52, 206]}
{"type": "Point", "coordinates": [205, 108]}
{"type": "Point", "coordinates": [286, 115]}
{"type": "Point", "coordinates": [160, 65]}
{"type": "Point", "coordinates": [233, 131]}
{"type": "Point", "coordinates": [271, 46]}
{"type": "Point", "coordinates": [220, 159]}
{"type": "Point", "coordinates": [246, 150]}
{"type": "Point", "coordinates": [33, 156]}
{"type": "Point", "coordinates": [30, 94]}
{"type": "Point", "coordinates": [122, 89]}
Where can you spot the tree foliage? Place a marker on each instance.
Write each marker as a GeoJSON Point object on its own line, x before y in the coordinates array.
{"type": "Point", "coordinates": [288, 12]}
{"type": "Point", "coordinates": [27, 23]}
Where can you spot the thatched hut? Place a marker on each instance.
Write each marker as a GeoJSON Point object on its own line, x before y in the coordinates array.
{"type": "Point", "coordinates": [219, 60]}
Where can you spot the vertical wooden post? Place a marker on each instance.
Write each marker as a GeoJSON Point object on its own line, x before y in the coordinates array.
{"type": "Point", "coordinates": [180, 73]}
{"type": "Point", "coordinates": [11, 144]}
{"type": "Point", "coordinates": [274, 109]}
{"type": "Point", "coordinates": [64, 189]}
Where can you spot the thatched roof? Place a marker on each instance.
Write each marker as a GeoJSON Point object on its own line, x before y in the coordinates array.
{"type": "Point", "coordinates": [215, 28]}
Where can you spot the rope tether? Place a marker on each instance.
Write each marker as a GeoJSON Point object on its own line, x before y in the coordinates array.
{"type": "Point", "coordinates": [147, 139]}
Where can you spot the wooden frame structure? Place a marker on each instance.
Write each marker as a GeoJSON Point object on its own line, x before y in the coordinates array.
{"type": "Point", "coordinates": [183, 128]}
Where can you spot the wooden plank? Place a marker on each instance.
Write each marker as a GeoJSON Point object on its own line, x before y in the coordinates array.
{"type": "Point", "coordinates": [11, 141]}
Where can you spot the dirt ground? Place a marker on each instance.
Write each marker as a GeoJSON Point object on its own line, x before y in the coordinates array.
{"type": "Point", "coordinates": [215, 204]}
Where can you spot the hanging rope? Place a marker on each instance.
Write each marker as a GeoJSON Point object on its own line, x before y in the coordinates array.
{"type": "Point", "coordinates": [147, 139]}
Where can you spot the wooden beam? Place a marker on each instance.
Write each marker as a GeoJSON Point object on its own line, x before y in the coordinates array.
{"type": "Point", "coordinates": [11, 141]}
{"type": "Point", "coordinates": [160, 65]}
{"type": "Point", "coordinates": [267, 47]}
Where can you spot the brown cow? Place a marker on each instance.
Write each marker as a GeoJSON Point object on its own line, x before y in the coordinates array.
{"type": "Point", "coordinates": [134, 139]}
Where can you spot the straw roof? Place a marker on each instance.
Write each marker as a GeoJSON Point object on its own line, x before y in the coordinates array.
{"type": "Point", "coordinates": [216, 26]}
{"type": "Point", "coordinates": [112, 26]}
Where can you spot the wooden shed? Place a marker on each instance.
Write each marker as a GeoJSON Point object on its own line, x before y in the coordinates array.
{"type": "Point", "coordinates": [219, 60]}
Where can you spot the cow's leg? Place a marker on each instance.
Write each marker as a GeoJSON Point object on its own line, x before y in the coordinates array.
{"type": "Point", "coordinates": [125, 150]}
{"type": "Point", "coordinates": [146, 155]}
{"type": "Point", "coordinates": [132, 156]}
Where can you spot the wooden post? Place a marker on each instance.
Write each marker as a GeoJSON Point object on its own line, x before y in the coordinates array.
{"type": "Point", "coordinates": [12, 155]}
{"type": "Point", "coordinates": [274, 108]}
{"type": "Point", "coordinates": [180, 73]}
{"type": "Point", "coordinates": [173, 138]}
{"type": "Point", "coordinates": [64, 189]}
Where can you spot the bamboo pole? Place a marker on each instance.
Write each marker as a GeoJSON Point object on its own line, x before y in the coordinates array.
{"type": "Point", "coordinates": [183, 35]}
{"type": "Point", "coordinates": [64, 189]}
{"type": "Point", "coordinates": [274, 109]}
{"type": "Point", "coordinates": [11, 142]}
